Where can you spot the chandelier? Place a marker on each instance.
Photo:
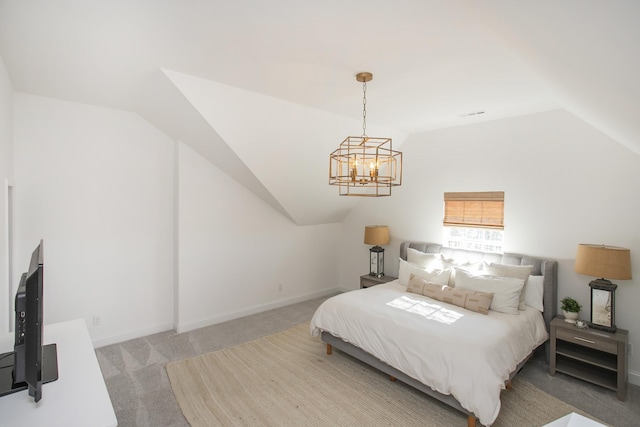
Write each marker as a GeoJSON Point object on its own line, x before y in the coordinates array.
{"type": "Point", "coordinates": [365, 165]}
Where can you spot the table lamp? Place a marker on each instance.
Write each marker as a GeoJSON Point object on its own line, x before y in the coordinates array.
{"type": "Point", "coordinates": [376, 235]}
{"type": "Point", "coordinates": [603, 261]}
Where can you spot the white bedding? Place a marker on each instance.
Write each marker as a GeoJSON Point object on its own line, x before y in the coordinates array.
{"type": "Point", "coordinates": [453, 350]}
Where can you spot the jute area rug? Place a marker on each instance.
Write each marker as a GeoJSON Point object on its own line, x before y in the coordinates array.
{"type": "Point", "coordinates": [287, 379]}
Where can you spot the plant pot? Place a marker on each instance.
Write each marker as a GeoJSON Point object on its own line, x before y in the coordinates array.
{"type": "Point", "coordinates": [570, 317]}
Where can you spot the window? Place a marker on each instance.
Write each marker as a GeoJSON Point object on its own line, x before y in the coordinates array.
{"type": "Point", "coordinates": [474, 221]}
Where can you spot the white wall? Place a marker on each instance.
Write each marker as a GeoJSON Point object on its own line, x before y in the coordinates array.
{"type": "Point", "coordinates": [565, 183]}
{"type": "Point", "coordinates": [145, 233]}
{"type": "Point", "coordinates": [236, 251]}
{"type": "Point", "coordinates": [97, 185]}
{"type": "Point", "coordinates": [6, 175]}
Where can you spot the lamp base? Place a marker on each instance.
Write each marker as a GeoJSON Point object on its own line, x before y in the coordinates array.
{"type": "Point", "coordinates": [603, 308]}
{"type": "Point", "coordinates": [376, 261]}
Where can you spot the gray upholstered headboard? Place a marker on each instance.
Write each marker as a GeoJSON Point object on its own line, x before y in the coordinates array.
{"type": "Point", "coordinates": [547, 268]}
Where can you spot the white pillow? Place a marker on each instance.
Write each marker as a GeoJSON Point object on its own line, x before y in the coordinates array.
{"type": "Point", "coordinates": [506, 290]}
{"type": "Point", "coordinates": [514, 271]}
{"type": "Point", "coordinates": [424, 260]}
{"type": "Point", "coordinates": [534, 292]}
{"type": "Point", "coordinates": [450, 264]}
{"type": "Point", "coordinates": [406, 269]}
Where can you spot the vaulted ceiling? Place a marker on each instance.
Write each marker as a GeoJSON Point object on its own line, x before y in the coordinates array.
{"type": "Point", "coordinates": [266, 89]}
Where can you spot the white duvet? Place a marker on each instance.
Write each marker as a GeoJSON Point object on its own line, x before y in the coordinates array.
{"type": "Point", "coordinates": [453, 350]}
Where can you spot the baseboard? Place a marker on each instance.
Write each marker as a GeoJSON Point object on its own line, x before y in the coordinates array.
{"type": "Point", "coordinates": [115, 339]}
{"type": "Point", "coordinates": [254, 310]}
{"type": "Point", "coordinates": [104, 341]}
{"type": "Point", "coordinates": [634, 378]}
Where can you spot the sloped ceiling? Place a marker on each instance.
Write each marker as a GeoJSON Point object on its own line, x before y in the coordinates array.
{"type": "Point", "coordinates": [266, 89]}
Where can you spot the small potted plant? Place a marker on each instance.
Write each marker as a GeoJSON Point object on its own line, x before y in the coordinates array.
{"type": "Point", "coordinates": [570, 308]}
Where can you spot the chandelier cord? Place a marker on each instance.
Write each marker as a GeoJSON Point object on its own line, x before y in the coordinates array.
{"type": "Point", "coordinates": [364, 109]}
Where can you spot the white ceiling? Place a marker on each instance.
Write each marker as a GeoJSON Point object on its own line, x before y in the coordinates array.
{"type": "Point", "coordinates": [236, 79]}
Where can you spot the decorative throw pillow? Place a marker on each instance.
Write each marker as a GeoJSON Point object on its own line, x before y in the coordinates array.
{"type": "Point", "coordinates": [406, 269]}
{"type": "Point", "coordinates": [514, 271]}
{"type": "Point", "coordinates": [478, 301]}
{"type": "Point", "coordinates": [424, 260]}
{"type": "Point", "coordinates": [436, 291]}
{"type": "Point", "coordinates": [506, 290]}
{"type": "Point", "coordinates": [471, 300]}
{"type": "Point", "coordinates": [418, 285]}
{"type": "Point", "coordinates": [534, 292]}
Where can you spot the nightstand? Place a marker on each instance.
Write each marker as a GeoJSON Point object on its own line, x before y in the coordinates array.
{"type": "Point", "coordinates": [367, 280]}
{"type": "Point", "coordinates": [589, 354]}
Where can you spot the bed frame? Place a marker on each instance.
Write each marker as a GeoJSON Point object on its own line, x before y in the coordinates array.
{"type": "Point", "coordinates": [541, 267]}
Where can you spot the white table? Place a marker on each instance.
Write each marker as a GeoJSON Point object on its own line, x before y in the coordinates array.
{"type": "Point", "coordinates": [78, 397]}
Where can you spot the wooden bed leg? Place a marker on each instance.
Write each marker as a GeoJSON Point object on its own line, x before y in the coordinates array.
{"type": "Point", "coordinates": [471, 421]}
{"type": "Point", "coordinates": [329, 349]}
{"type": "Point", "coordinates": [392, 378]}
{"type": "Point", "coordinates": [509, 385]}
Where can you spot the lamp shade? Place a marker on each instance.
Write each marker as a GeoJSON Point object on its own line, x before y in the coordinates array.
{"type": "Point", "coordinates": [607, 262]}
{"type": "Point", "coordinates": [376, 235]}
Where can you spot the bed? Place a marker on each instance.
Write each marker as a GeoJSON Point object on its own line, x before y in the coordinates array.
{"type": "Point", "coordinates": [461, 357]}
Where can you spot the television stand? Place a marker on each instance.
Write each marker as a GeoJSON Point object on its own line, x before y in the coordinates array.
{"type": "Point", "coordinates": [78, 398]}
{"type": "Point", "coordinates": [49, 370]}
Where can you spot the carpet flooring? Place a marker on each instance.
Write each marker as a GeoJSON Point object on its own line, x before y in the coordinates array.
{"type": "Point", "coordinates": [141, 393]}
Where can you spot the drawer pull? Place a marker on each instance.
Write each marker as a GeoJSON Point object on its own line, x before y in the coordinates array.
{"type": "Point", "coordinates": [585, 340]}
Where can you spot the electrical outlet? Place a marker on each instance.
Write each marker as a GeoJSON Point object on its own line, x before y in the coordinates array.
{"type": "Point", "coordinates": [630, 349]}
{"type": "Point", "coordinates": [97, 321]}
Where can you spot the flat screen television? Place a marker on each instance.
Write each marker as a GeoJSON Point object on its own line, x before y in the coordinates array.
{"type": "Point", "coordinates": [30, 364]}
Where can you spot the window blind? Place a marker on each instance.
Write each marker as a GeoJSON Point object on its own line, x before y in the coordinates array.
{"type": "Point", "coordinates": [474, 209]}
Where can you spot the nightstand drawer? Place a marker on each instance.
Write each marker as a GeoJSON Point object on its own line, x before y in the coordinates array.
{"type": "Point", "coordinates": [587, 341]}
